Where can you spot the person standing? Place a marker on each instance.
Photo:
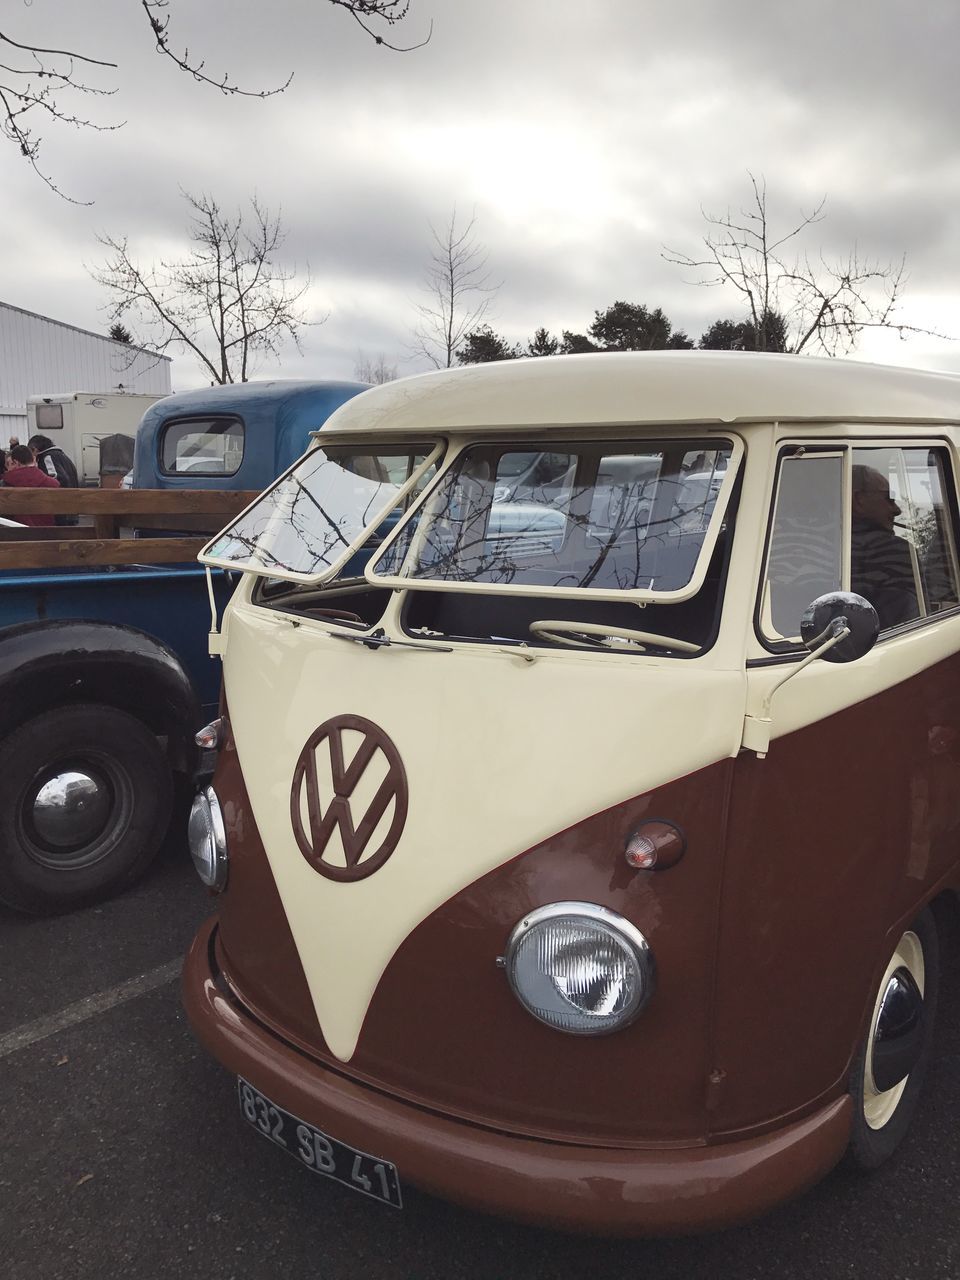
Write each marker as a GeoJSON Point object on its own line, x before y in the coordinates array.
{"type": "Point", "coordinates": [52, 459]}
{"type": "Point", "coordinates": [23, 473]}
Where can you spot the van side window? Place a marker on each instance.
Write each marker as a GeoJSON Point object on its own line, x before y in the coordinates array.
{"type": "Point", "coordinates": [902, 551]}
{"type": "Point", "coordinates": [805, 555]}
{"type": "Point", "coordinates": [202, 447]}
{"type": "Point", "coordinates": [898, 526]}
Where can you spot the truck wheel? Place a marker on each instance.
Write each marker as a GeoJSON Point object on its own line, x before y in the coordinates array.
{"type": "Point", "coordinates": [888, 1073]}
{"type": "Point", "coordinates": [85, 795]}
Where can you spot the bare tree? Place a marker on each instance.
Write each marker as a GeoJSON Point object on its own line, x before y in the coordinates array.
{"type": "Point", "coordinates": [818, 303]}
{"type": "Point", "coordinates": [228, 301]}
{"type": "Point", "coordinates": [374, 369]}
{"type": "Point", "coordinates": [40, 84]}
{"type": "Point", "coordinates": [459, 289]}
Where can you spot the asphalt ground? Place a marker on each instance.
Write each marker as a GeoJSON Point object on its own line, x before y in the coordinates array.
{"type": "Point", "coordinates": [123, 1154]}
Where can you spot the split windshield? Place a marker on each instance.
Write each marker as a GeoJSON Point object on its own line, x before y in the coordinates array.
{"type": "Point", "coordinates": [610, 516]}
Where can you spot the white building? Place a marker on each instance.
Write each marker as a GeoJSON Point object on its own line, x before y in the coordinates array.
{"type": "Point", "coordinates": [40, 356]}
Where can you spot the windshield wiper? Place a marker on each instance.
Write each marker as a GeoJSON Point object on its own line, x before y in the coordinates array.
{"type": "Point", "coordinates": [380, 640]}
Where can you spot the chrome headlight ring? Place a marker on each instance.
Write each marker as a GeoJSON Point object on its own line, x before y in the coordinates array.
{"type": "Point", "coordinates": [580, 968]}
{"type": "Point", "coordinates": [207, 838]}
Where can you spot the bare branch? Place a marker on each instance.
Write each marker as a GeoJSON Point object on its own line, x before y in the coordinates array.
{"type": "Point", "coordinates": [456, 280]}
{"type": "Point", "coordinates": [388, 11]}
{"type": "Point", "coordinates": [42, 87]}
{"type": "Point", "coordinates": [159, 21]}
{"type": "Point", "coordinates": [36, 49]}
{"type": "Point", "coordinates": [228, 301]}
{"type": "Point", "coordinates": [793, 303]}
{"type": "Point", "coordinates": [374, 369]}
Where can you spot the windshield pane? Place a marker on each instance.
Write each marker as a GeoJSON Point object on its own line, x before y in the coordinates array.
{"type": "Point", "coordinates": [599, 515]}
{"type": "Point", "coordinates": [306, 525]}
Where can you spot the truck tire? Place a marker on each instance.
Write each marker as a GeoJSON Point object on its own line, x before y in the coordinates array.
{"type": "Point", "coordinates": [85, 796]}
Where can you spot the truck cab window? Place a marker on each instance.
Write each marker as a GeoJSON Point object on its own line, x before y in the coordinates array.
{"type": "Point", "coordinates": [202, 447]}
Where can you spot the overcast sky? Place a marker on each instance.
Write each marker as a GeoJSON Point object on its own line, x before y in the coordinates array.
{"type": "Point", "coordinates": [584, 135]}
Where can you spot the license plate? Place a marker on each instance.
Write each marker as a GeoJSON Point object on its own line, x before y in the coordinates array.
{"type": "Point", "coordinates": [318, 1151]}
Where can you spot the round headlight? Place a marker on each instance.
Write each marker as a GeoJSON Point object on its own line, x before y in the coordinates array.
{"type": "Point", "coordinates": [580, 967]}
{"type": "Point", "coordinates": [207, 839]}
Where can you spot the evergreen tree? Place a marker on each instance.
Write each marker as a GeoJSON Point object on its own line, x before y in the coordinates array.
{"type": "Point", "coordinates": [541, 344]}
{"type": "Point", "coordinates": [575, 344]}
{"type": "Point", "coordinates": [628, 326]}
{"type": "Point", "coordinates": [482, 345]}
{"type": "Point", "coordinates": [744, 335]}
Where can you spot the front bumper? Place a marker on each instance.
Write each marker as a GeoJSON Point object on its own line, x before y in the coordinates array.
{"type": "Point", "coordinates": [575, 1188]}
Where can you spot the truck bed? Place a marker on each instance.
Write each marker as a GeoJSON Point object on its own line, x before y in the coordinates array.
{"type": "Point", "coordinates": [99, 571]}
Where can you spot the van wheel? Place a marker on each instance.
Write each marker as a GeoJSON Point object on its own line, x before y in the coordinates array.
{"type": "Point", "coordinates": [85, 795]}
{"type": "Point", "coordinates": [887, 1076]}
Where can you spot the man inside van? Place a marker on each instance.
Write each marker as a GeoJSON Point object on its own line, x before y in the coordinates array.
{"type": "Point", "coordinates": [881, 567]}
{"type": "Point", "coordinates": [23, 473]}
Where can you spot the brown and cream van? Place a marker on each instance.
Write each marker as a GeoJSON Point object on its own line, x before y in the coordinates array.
{"type": "Point", "coordinates": [587, 801]}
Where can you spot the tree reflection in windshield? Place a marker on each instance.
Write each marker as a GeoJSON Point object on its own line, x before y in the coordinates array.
{"type": "Point", "coordinates": [309, 520]}
{"type": "Point", "coordinates": [624, 520]}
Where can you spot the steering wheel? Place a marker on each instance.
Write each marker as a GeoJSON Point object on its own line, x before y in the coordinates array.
{"type": "Point", "coordinates": [575, 635]}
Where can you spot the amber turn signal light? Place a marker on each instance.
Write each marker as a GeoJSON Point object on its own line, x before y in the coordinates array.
{"type": "Point", "coordinates": [655, 845]}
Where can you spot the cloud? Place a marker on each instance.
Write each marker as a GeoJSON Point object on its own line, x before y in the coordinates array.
{"type": "Point", "coordinates": [585, 138]}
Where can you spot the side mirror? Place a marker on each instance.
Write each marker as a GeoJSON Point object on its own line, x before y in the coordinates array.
{"type": "Point", "coordinates": [837, 611]}
{"type": "Point", "coordinates": [838, 627]}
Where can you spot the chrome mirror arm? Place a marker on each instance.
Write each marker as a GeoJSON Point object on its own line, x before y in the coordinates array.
{"type": "Point", "coordinates": [756, 729]}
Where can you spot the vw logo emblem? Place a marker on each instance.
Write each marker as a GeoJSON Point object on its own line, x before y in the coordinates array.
{"type": "Point", "coordinates": [322, 756]}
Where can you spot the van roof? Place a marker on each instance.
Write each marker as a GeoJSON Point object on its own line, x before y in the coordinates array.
{"type": "Point", "coordinates": [651, 387]}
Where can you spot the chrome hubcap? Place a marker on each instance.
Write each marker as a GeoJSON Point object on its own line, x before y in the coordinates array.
{"type": "Point", "coordinates": [897, 1040]}
{"type": "Point", "coordinates": [71, 809]}
{"type": "Point", "coordinates": [896, 1031]}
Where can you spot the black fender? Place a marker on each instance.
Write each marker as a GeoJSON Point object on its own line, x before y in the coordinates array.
{"type": "Point", "coordinates": [59, 662]}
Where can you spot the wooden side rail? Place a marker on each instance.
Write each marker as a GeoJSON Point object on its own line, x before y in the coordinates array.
{"type": "Point", "coordinates": [108, 516]}
{"type": "Point", "coordinates": [123, 502]}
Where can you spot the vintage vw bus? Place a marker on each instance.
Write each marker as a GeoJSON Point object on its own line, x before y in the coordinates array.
{"type": "Point", "coordinates": [581, 856]}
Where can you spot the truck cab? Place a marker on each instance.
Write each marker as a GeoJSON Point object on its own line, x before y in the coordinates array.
{"type": "Point", "coordinates": [232, 437]}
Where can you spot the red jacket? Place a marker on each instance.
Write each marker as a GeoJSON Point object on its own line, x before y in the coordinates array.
{"type": "Point", "coordinates": [31, 478]}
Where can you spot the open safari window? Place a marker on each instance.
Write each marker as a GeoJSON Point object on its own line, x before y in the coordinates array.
{"type": "Point", "coordinates": [309, 524]}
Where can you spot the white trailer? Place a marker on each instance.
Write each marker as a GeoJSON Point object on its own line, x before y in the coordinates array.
{"type": "Point", "coordinates": [77, 421]}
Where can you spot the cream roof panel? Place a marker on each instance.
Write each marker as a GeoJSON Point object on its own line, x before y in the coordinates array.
{"type": "Point", "coordinates": [656, 387]}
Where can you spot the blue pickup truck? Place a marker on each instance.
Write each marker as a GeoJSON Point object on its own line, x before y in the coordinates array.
{"type": "Point", "coordinates": [234, 437]}
{"type": "Point", "coordinates": [104, 671]}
